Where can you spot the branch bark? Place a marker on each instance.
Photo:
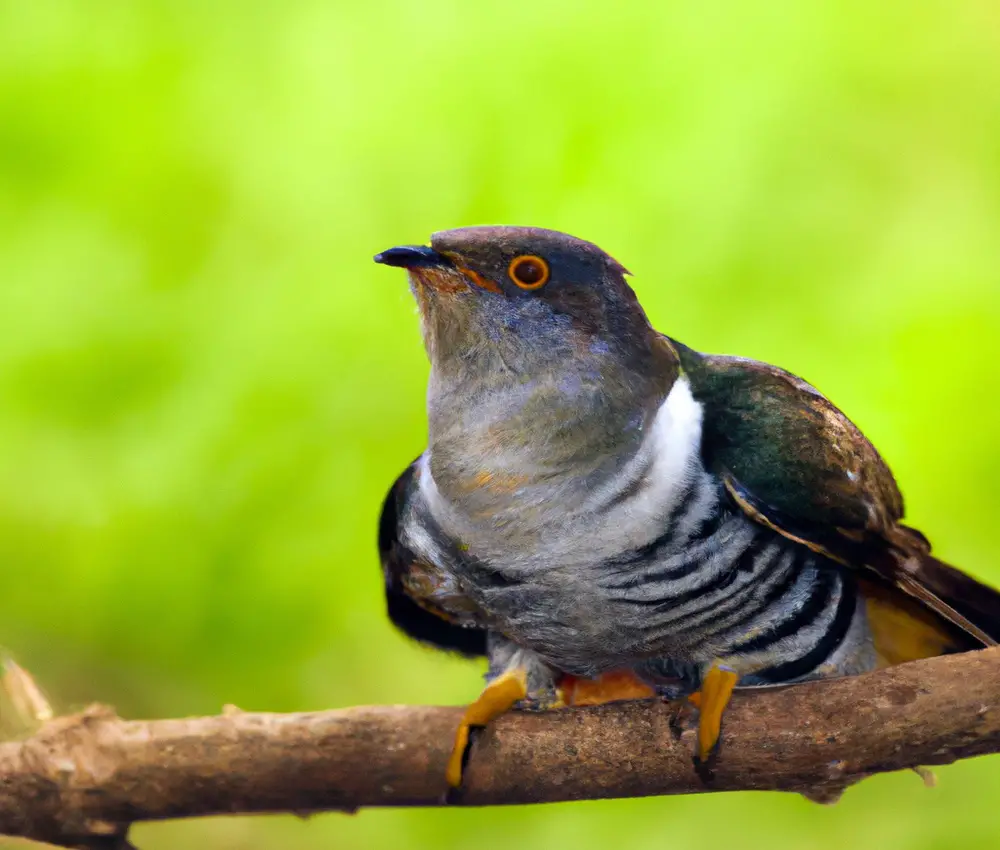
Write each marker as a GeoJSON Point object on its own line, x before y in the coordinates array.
{"type": "Point", "coordinates": [81, 780]}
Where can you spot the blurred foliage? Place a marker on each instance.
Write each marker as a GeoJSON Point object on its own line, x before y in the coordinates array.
{"type": "Point", "coordinates": [206, 386]}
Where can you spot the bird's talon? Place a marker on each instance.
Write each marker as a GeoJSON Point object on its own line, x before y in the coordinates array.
{"type": "Point", "coordinates": [705, 768]}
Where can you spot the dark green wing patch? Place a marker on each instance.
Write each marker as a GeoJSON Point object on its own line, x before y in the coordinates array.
{"type": "Point", "coordinates": [793, 462]}
{"type": "Point", "coordinates": [789, 446]}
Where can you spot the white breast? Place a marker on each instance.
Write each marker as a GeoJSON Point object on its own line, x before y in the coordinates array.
{"type": "Point", "coordinates": [635, 503]}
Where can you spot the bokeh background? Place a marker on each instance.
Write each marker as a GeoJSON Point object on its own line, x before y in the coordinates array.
{"type": "Point", "coordinates": [206, 386]}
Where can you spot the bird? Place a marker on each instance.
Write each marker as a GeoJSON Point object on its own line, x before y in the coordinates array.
{"type": "Point", "coordinates": [604, 513]}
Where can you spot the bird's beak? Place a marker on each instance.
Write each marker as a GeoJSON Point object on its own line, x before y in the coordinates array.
{"type": "Point", "coordinates": [441, 272]}
{"type": "Point", "coordinates": [414, 257]}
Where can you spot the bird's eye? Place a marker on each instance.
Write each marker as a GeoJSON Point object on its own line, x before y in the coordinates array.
{"type": "Point", "coordinates": [529, 272]}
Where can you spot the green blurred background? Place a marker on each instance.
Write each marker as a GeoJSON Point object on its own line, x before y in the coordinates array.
{"type": "Point", "coordinates": [206, 386]}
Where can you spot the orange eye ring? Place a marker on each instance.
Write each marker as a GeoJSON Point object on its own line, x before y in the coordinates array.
{"type": "Point", "coordinates": [528, 271]}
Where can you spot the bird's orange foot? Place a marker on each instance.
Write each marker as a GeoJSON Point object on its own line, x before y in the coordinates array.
{"type": "Point", "coordinates": [711, 701]}
{"type": "Point", "coordinates": [613, 686]}
{"type": "Point", "coordinates": [497, 698]}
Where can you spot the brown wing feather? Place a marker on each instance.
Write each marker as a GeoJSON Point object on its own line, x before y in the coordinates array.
{"type": "Point", "coordinates": [955, 595]}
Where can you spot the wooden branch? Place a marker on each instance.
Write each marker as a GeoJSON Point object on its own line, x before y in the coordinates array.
{"type": "Point", "coordinates": [82, 780]}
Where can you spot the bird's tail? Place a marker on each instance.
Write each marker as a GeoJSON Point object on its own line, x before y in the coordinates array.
{"type": "Point", "coordinates": [977, 605]}
{"type": "Point", "coordinates": [940, 610]}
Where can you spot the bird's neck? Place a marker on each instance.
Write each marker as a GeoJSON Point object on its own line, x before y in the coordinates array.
{"type": "Point", "coordinates": [498, 437]}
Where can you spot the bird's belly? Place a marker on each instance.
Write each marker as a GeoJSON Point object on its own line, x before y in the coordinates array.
{"type": "Point", "coordinates": [576, 629]}
{"type": "Point", "coordinates": [749, 597]}
{"type": "Point", "coordinates": [584, 636]}
{"type": "Point", "coordinates": [713, 585]}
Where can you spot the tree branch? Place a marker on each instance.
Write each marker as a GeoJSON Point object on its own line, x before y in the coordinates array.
{"type": "Point", "coordinates": [83, 779]}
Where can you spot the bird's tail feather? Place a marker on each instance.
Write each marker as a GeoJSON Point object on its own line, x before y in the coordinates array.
{"type": "Point", "coordinates": [977, 604]}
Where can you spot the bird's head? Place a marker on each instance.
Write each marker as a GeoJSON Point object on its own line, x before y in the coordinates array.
{"type": "Point", "coordinates": [544, 368]}
{"type": "Point", "coordinates": [522, 299]}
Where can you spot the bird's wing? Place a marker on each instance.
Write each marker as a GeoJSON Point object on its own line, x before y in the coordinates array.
{"type": "Point", "coordinates": [420, 598]}
{"type": "Point", "coordinates": [792, 461]}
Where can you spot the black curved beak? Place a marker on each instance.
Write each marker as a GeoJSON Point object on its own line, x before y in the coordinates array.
{"type": "Point", "coordinates": [412, 257]}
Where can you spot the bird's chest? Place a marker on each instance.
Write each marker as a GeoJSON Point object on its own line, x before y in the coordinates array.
{"type": "Point", "coordinates": [526, 503]}
{"type": "Point", "coordinates": [533, 554]}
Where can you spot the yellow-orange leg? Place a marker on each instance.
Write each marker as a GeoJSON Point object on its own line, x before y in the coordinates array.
{"type": "Point", "coordinates": [711, 701]}
{"type": "Point", "coordinates": [497, 698]}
